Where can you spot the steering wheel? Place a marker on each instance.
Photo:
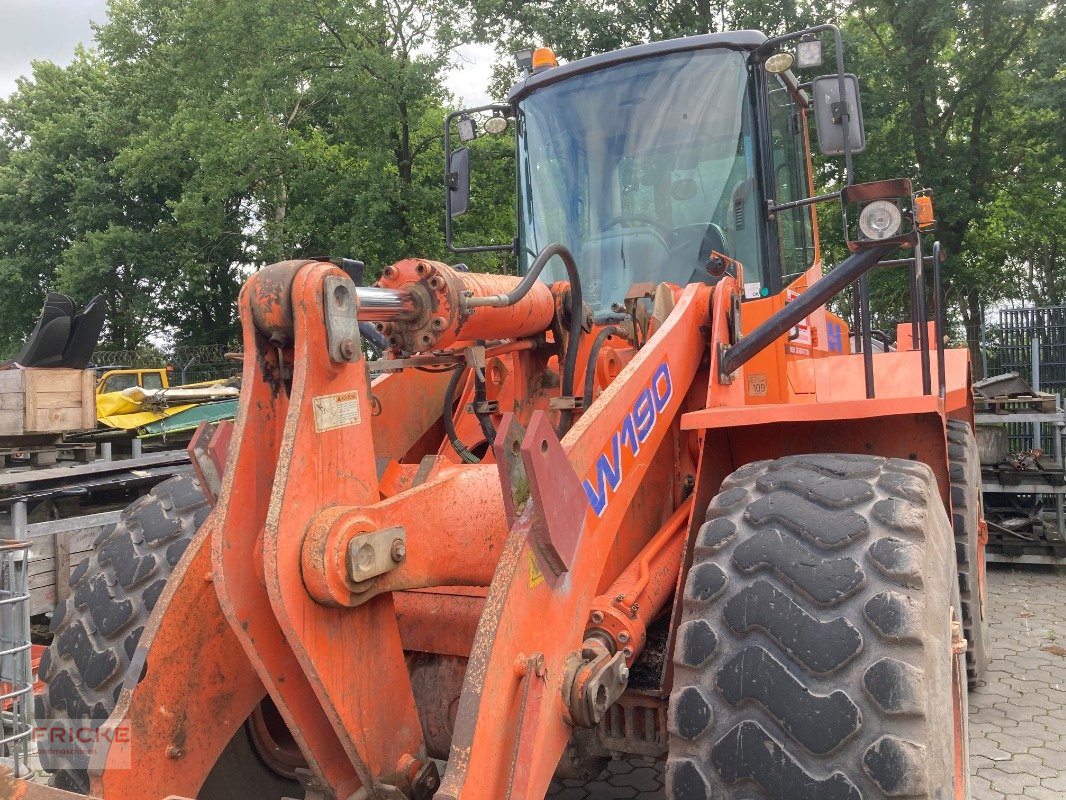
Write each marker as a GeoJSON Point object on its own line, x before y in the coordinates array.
{"type": "Point", "coordinates": [664, 232]}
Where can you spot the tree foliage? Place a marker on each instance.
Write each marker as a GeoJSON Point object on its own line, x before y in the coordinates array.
{"type": "Point", "coordinates": [203, 138]}
{"type": "Point", "coordinates": [206, 137]}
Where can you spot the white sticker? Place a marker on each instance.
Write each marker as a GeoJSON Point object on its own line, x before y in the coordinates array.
{"type": "Point", "coordinates": [336, 410]}
{"type": "Point", "coordinates": [751, 290]}
{"type": "Point", "coordinates": [801, 334]}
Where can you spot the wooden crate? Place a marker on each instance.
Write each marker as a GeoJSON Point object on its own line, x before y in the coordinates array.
{"type": "Point", "coordinates": [57, 547]}
{"type": "Point", "coordinates": [42, 401]}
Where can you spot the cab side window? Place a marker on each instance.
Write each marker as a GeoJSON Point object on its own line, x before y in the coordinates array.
{"type": "Point", "coordinates": [116, 383]}
{"type": "Point", "coordinates": [790, 180]}
{"type": "Point", "coordinates": [151, 380]}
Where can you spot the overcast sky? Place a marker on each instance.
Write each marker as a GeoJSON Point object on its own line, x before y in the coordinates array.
{"type": "Point", "coordinates": [49, 30]}
{"type": "Point", "coordinates": [42, 29]}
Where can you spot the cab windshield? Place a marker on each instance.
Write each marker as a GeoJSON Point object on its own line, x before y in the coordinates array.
{"type": "Point", "coordinates": [641, 170]}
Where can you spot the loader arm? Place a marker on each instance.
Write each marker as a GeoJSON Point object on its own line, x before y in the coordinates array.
{"type": "Point", "coordinates": [512, 723]}
{"type": "Point", "coordinates": [301, 497]}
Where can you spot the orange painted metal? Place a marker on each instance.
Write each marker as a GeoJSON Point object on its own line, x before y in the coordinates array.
{"type": "Point", "coordinates": [236, 530]}
{"type": "Point", "coordinates": [189, 653]}
{"type": "Point", "coordinates": [367, 690]}
{"type": "Point", "coordinates": [524, 614]}
{"type": "Point", "coordinates": [464, 552]}
{"type": "Point", "coordinates": [839, 393]}
{"type": "Point", "coordinates": [508, 566]}
{"type": "Point", "coordinates": [442, 621]}
{"type": "Point", "coordinates": [638, 595]}
{"type": "Point", "coordinates": [438, 290]}
{"type": "Point", "coordinates": [12, 789]}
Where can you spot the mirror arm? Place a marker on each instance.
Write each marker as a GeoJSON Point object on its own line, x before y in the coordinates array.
{"type": "Point", "coordinates": [806, 201]}
{"type": "Point", "coordinates": [451, 182]}
{"type": "Point", "coordinates": [772, 43]}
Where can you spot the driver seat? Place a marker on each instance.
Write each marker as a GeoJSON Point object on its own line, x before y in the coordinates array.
{"type": "Point", "coordinates": [622, 258]}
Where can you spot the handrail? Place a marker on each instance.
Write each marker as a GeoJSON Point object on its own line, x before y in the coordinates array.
{"type": "Point", "coordinates": [786, 318]}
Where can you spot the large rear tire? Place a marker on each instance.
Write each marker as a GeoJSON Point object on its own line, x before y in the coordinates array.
{"type": "Point", "coordinates": [814, 658]}
{"type": "Point", "coordinates": [95, 633]}
{"type": "Point", "coordinates": [966, 510]}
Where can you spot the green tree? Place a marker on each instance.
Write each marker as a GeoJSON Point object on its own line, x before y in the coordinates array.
{"type": "Point", "coordinates": [67, 219]}
{"type": "Point", "coordinates": [950, 85]}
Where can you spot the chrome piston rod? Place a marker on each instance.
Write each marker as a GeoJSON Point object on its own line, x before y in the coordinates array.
{"type": "Point", "coordinates": [386, 305]}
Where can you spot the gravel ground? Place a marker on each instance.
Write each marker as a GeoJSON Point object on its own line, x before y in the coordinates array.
{"type": "Point", "coordinates": [1017, 719]}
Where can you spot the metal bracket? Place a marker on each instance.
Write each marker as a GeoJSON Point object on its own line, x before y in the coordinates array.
{"type": "Point", "coordinates": [557, 403]}
{"type": "Point", "coordinates": [484, 407]}
{"type": "Point", "coordinates": [426, 782]}
{"type": "Point", "coordinates": [724, 378]}
{"type": "Point", "coordinates": [594, 681]}
{"type": "Point", "coordinates": [558, 502]}
{"type": "Point", "coordinates": [373, 554]}
{"type": "Point", "coordinates": [475, 357]}
{"type": "Point", "coordinates": [508, 451]}
{"type": "Point", "coordinates": [207, 451]}
{"type": "Point", "coordinates": [342, 323]}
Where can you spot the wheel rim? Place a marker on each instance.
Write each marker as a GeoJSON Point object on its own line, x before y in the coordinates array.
{"type": "Point", "coordinates": [273, 742]}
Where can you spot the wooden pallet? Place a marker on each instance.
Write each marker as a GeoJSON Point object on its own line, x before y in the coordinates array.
{"type": "Point", "coordinates": [38, 456]}
{"type": "Point", "coordinates": [1007, 476]}
{"type": "Point", "coordinates": [1005, 405]}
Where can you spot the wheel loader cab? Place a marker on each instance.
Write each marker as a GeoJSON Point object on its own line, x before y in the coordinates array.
{"type": "Point", "coordinates": [645, 161]}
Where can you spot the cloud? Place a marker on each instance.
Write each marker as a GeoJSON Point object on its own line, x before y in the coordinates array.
{"type": "Point", "coordinates": [45, 30]}
{"type": "Point", "coordinates": [470, 73]}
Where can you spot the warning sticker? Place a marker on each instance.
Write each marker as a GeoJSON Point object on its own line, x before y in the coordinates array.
{"type": "Point", "coordinates": [336, 410]}
{"type": "Point", "coordinates": [536, 577]}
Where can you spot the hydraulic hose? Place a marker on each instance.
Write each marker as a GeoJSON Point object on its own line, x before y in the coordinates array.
{"type": "Point", "coordinates": [577, 318]}
{"type": "Point", "coordinates": [449, 423]}
{"type": "Point", "coordinates": [577, 315]}
{"type": "Point", "coordinates": [594, 354]}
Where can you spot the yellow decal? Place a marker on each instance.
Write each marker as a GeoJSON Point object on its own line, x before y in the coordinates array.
{"type": "Point", "coordinates": [536, 577]}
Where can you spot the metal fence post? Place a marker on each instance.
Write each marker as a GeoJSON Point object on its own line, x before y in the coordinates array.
{"type": "Point", "coordinates": [1034, 345]}
{"type": "Point", "coordinates": [16, 658]}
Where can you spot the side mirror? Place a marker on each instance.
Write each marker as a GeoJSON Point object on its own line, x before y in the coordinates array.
{"type": "Point", "coordinates": [458, 182]}
{"type": "Point", "coordinates": [829, 114]}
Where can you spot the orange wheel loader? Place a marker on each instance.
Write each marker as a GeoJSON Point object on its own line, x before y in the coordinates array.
{"type": "Point", "coordinates": [648, 497]}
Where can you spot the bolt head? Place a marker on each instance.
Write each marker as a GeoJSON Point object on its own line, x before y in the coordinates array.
{"type": "Point", "coordinates": [597, 617]}
{"type": "Point", "coordinates": [348, 348]}
{"type": "Point", "coordinates": [361, 561]}
{"type": "Point", "coordinates": [623, 637]}
{"type": "Point", "coordinates": [399, 550]}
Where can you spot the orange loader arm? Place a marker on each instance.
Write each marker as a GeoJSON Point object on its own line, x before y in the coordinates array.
{"type": "Point", "coordinates": [265, 594]}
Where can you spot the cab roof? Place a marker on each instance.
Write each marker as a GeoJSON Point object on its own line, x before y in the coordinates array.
{"type": "Point", "coordinates": [737, 40]}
